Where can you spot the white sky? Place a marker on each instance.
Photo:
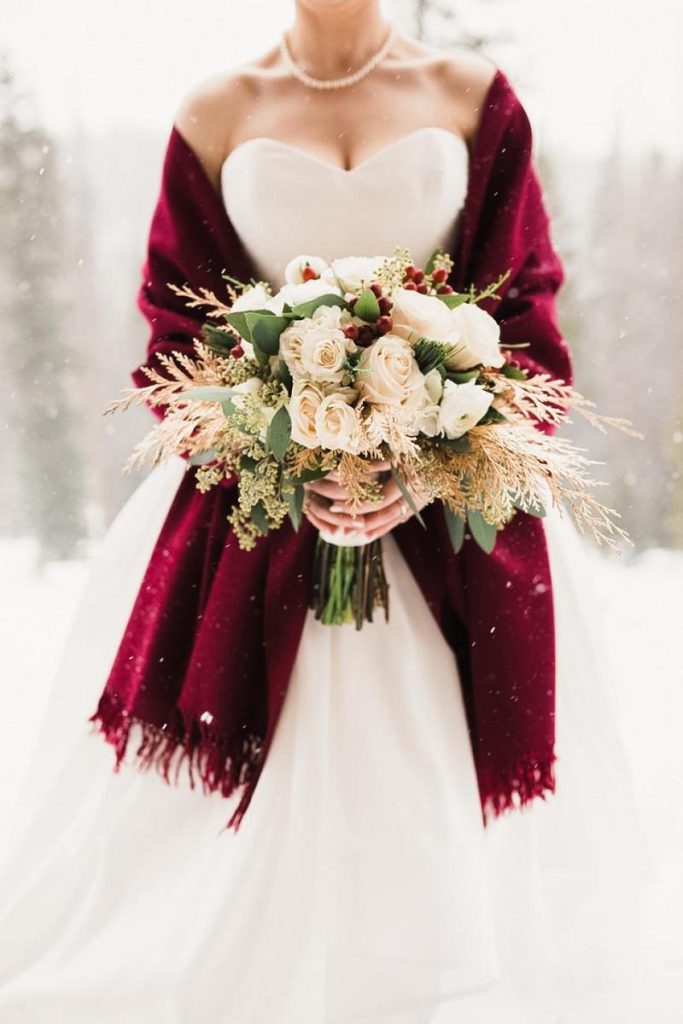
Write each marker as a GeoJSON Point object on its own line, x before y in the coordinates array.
{"type": "Point", "coordinates": [581, 66]}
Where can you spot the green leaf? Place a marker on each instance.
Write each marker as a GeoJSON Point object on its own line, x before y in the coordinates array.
{"type": "Point", "coordinates": [247, 464]}
{"type": "Point", "coordinates": [492, 416]}
{"type": "Point", "coordinates": [219, 341]}
{"type": "Point", "coordinates": [308, 475]}
{"type": "Point", "coordinates": [229, 408]}
{"type": "Point", "coordinates": [453, 299]}
{"type": "Point", "coordinates": [430, 353]}
{"type": "Point", "coordinates": [367, 306]}
{"type": "Point", "coordinates": [206, 394]}
{"type": "Point", "coordinates": [462, 376]}
{"type": "Point", "coordinates": [309, 307]}
{"type": "Point", "coordinates": [456, 527]}
{"type": "Point", "coordinates": [483, 532]}
{"type": "Point", "coordinates": [429, 266]}
{"type": "Point", "coordinates": [408, 497]}
{"type": "Point", "coordinates": [239, 321]}
{"type": "Point", "coordinates": [279, 433]}
{"type": "Point", "coordinates": [295, 505]}
{"type": "Point", "coordinates": [266, 331]}
{"type": "Point", "coordinates": [508, 370]}
{"type": "Point", "coordinates": [259, 518]}
{"type": "Point", "coordinates": [201, 458]}
{"type": "Point", "coordinates": [458, 444]}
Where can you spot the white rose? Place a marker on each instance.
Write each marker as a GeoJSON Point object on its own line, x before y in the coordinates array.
{"type": "Point", "coordinates": [427, 420]}
{"type": "Point", "coordinates": [353, 272]}
{"type": "Point", "coordinates": [388, 373]}
{"type": "Point", "coordinates": [303, 406]}
{"type": "Point", "coordinates": [461, 407]}
{"type": "Point", "coordinates": [336, 423]}
{"type": "Point", "coordinates": [294, 270]}
{"type": "Point", "coordinates": [254, 297]}
{"type": "Point", "coordinates": [474, 333]}
{"type": "Point", "coordinates": [296, 293]}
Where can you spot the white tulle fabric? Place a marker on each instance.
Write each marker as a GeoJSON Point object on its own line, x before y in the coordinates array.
{"type": "Point", "coordinates": [361, 886]}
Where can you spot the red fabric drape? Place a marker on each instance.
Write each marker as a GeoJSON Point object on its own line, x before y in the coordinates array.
{"type": "Point", "coordinates": [205, 660]}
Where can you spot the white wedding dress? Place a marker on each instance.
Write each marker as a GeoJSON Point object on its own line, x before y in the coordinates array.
{"type": "Point", "coordinates": [361, 886]}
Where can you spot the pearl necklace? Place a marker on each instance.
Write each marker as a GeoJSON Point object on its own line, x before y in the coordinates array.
{"type": "Point", "coordinates": [335, 83]}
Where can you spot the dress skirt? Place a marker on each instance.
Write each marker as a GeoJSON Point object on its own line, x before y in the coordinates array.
{"type": "Point", "coordinates": [362, 886]}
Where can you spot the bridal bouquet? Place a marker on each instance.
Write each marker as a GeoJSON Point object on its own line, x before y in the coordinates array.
{"type": "Point", "coordinates": [359, 363]}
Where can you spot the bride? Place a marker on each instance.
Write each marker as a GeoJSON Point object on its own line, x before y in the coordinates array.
{"type": "Point", "coordinates": [362, 883]}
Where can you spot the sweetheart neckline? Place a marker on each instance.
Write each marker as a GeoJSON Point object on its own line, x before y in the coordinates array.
{"type": "Point", "coordinates": [335, 168]}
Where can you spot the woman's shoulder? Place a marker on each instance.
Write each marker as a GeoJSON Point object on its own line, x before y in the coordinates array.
{"type": "Point", "coordinates": [208, 113]}
{"type": "Point", "coordinates": [464, 78]}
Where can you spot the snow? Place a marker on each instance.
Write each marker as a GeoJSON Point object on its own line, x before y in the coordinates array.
{"type": "Point", "coordinates": [641, 599]}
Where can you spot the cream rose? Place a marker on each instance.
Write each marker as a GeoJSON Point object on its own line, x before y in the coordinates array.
{"type": "Point", "coordinates": [316, 346]}
{"type": "Point", "coordinates": [303, 406]}
{"type": "Point", "coordinates": [462, 405]}
{"type": "Point", "coordinates": [388, 373]}
{"type": "Point", "coordinates": [254, 297]}
{"type": "Point", "coordinates": [353, 272]}
{"type": "Point", "coordinates": [474, 334]}
{"type": "Point", "coordinates": [294, 270]}
{"type": "Point", "coordinates": [336, 423]}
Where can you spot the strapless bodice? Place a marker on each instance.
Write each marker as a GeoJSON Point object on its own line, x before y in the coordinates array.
{"type": "Point", "coordinates": [283, 201]}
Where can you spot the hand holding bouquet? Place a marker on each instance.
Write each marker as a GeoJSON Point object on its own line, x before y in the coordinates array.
{"type": "Point", "coordinates": [358, 381]}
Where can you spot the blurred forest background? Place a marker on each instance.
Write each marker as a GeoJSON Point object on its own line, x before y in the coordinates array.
{"type": "Point", "coordinates": [74, 214]}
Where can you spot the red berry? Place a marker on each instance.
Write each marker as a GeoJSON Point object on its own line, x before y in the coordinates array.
{"type": "Point", "coordinates": [444, 289]}
{"type": "Point", "coordinates": [236, 351]}
{"type": "Point", "coordinates": [351, 331]}
{"type": "Point", "coordinates": [384, 303]}
{"type": "Point", "coordinates": [384, 324]}
{"type": "Point", "coordinates": [439, 275]}
{"type": "Point", "coordinates": [410, 287]}
{"type": "Point", "coordinates": [308, 273]}
{"type": "Point", "coordinates": [422, 288]}
{"type": "Point", "coordinates": [366, 334]}
{"type": "Point", "coordinates": [376, 289]}
{"type": "Point", "coordinates": [410, 270]}
{"type": "Point", "coordinates": [418, 276]}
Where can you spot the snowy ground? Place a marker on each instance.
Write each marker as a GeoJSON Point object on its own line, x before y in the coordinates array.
{"type": "Point", "coordinates": [642, 601]}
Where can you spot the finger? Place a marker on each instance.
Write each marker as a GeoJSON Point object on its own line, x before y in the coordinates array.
{"type": "Point", "coordinates": [320, 524]}
{"type": "Point", "coordinates": [328, 488]}
{"type": "Point", "coordinates": [390, 522]}
{"type": "Point", "coordinates": [390, 494]}
{"type": "Point", "coordinates": [323, 512]}
{"type": "Point", "coordinates": [396, 513]}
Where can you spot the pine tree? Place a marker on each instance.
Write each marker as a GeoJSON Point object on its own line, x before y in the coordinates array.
{"type": "Point", "coordinates": [43, 461]}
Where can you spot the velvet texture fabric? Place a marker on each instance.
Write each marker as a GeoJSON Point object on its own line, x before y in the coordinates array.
{"type": "Point", "coordinates": [204, 664]}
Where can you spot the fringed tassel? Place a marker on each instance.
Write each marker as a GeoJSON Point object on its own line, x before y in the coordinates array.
{"type": "Point", "coordinates": [530, 778]}
{"type": "Point", "coordinates": [221, 763]}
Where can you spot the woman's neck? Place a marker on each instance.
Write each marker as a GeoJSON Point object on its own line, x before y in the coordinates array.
{"type": "Point", "coordinates": [331, 43]}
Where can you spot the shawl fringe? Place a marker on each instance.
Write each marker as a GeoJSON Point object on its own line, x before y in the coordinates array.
{"type": "Point", "coordinates": [529, 778]}
{"type": "Point", "coordinates": [221, 763]}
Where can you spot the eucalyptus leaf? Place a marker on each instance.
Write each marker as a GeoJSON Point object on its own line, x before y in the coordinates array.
{"type": "Point", "coordinates": [259, 518]}
{"type": "Point", "coordinates": [229, 408]}
{"type": "Point", "coordinates": [458, 444]}
{"type": "Point", "coordinates": [483, 532]}
{"type": "Point", "coordinates": [456, 527]}
{"type": "Point", "coordinates": [453, 299]}
{"type": "Point", "coordinates": [531, 509]}
{"type": "Point", "coordinates": [295, 505]}
{"type": "Point", "coordinates": [309, 307]}
{"type": "Point", "coordinates": [279, 433]}
{"type": "Point", "coordinates": [508, 370]}
{"type": "Point", "coordinates": [492, 416]}
{"type": "Point", "coordinates": [429, 266]}
{"type": "Point", "coordinates": [202, 458]}
{"type": "Point", "coordinates": [206, 394]}
{"type": "Point", "coordinates": [408, 497]}
{"type": "Point", "coordinates": [266, 331]}
{"type": "Point", "coordinates": [238, 320]}
{"type": "Point", "coordinates": [248, 464]}
{"type": "Point", "coordinates": [308, 475]}
{"type": "Point", "coordinates": [462, 376]}
{"type": "Point", "coordinates": [220, 341]}
{"type": "Point", "coordinates": [367, 306]}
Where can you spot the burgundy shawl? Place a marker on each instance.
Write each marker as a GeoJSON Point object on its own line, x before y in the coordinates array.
{"type": "Point", "coordinates": [206, 657]}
